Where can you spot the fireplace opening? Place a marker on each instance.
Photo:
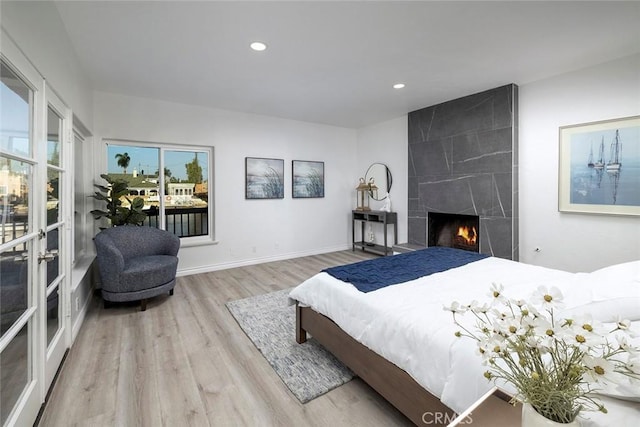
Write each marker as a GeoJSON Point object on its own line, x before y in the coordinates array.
{"type": "Point", "coordinates": [454, 231]}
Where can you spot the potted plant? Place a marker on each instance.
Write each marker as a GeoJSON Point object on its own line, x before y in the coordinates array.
{"type": "Point", "coordinates": [556, 364]}
{"type": "Point", "coordinates": [116, 213]}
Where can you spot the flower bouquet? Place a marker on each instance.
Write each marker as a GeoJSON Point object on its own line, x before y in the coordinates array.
{"type": "Point", "coordinates": [555, 364]}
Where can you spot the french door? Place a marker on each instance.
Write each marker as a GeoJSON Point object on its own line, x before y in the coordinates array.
{"type": "Point", "coordinates": [53, 249]}
{"type": "Point", "coordinates": [33, 237]}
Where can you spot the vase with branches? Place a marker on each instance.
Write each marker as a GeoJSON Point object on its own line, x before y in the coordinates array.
{"type": "Point", "coordinates": [557, 364]}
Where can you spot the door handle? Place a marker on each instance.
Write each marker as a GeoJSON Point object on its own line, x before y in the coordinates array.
{"type": "Point", "coordinates": [48, 256]}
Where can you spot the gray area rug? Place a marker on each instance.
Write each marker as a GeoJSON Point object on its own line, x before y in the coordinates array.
{"type": "Point", "coordinates": [308, 370]}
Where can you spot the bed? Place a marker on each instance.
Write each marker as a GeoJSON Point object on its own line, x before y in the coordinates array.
{"type": "Point", "coordinates": [401, 342]}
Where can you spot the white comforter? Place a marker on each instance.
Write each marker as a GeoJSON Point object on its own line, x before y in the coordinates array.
{"type": "Point", "coordinates": [406, 323]}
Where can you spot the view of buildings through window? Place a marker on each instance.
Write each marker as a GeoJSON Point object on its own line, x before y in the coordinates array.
{"type": "Point", "coordinates": [173, 182]}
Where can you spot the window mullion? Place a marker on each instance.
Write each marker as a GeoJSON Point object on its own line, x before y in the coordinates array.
{"type": "Point", "coordinates": [161, 178]}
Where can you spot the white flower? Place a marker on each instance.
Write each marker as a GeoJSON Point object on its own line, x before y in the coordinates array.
{"type": "Point", "coordinates": [495, 292]}
{"type": "Point", "coordinates": [547, 333]}
{"type": "Point", "coordinates": [587, 324]}
{"type": "Point", "coordinates": [477, 308]}
{"type": "Point", "coordinates": [510, 325]}
{"type": "Point", "coordinates": [624, 345]}
{"type": "Point", "coordinates": [494, 345]}
{"type": "Point", "coordinates": [548, 298]}
{"type": "Point", "coordinates": [585, 340]}
{"type": "Point", "coordinates": [517, 302]}
{"type": "Point", "coordinates": [483, 351]}
{"type": "Point", "coordinates": [498, 314]}
{"type": "Point", "coordinates": [533, 341]}
{"type": "Point", "coordinates": [532, 311]}
{"type": "Point", "coordinates": [599, 370]}
{"type": "Point", "coordinates": [623, 324]}
{"type": "Point", "coordinates": [455, 307]}
{"type": "Point", "coordinates": [527, 321]}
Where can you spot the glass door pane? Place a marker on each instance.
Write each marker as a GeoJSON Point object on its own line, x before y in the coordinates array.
{"type": "Point", "coordinates": [52, 258]}
{"type": "Point", "coordinates": [18, 304]}
{"type": "Point", "coordinates": [15, 180]}
{"type": "Point", "coordinates": [15, 371]}
{"type": "Point", "coordinates": [54, 123]}
{"type": "Point", "coordinates": [16, 99]}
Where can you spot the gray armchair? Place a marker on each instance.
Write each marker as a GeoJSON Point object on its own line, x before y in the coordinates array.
{"type": "Point", "coordinates": [136, 263]}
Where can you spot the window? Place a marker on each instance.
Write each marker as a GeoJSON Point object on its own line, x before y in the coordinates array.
{"type": "Point", "coordinates": [174, 182]}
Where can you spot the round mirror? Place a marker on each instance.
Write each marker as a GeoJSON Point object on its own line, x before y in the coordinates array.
{"type": "Point", "coordinates": [382, 178]}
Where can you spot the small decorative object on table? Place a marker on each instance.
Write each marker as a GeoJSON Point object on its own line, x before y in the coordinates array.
{"type": "Point", "coordinates": [555, 364]}
{"type": "Point", "coordinates": [371, 237]}
{"type": "Point", "coordinates": [364, 191]}
{"type": "Point", "coordinates": [386, 206]}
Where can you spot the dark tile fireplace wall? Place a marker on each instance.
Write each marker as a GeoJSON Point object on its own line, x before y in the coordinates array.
{"type": "Point", "coordinates": [463, 159]}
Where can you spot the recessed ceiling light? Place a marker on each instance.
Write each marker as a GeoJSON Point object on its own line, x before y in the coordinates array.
{"type": "Point", "coordinates": [398, 85]}
{"type": "Point", "coordinates": [258, 46]}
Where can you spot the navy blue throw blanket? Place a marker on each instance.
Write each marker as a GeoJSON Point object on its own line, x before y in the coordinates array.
{"type": "Point", "coordinates": [378, 273]}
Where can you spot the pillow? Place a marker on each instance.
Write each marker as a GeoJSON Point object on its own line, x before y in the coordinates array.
{"type": "Point", "coordinates": [624, 391]}
{"type": "Point", "coordinates": [607, 311]}
{"type": "Point", "coordinates": [616, 281]}
{"type": "Point", "coordinates": [627, 271]}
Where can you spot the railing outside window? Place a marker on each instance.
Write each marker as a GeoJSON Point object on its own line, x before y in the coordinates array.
{"type": "Point", "coordinates": [183, 222]}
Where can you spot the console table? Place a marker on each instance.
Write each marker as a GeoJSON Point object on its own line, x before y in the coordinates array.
{"type": "Point", "coordinates": [378, 217]}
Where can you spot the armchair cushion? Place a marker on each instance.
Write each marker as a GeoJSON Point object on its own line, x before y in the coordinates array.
{"type": "Point", "coordinates": [148, 271]}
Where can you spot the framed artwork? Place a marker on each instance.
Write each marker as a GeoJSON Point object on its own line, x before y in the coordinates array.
{"type": "Point", "coordinates": [599, 169]}
{"type": "Point", "coordinates": [307, 179]}
{"type": "Point", "coordinates": [264, 178]}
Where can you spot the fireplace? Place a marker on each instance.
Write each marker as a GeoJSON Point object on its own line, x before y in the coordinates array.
{"type": "Point", "coordinates": [463, 159]}
{"type": "Point", "coordinates": [454, 231]}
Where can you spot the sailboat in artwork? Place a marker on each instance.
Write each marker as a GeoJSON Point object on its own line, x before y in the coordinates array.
{"type": "Point", "coordinates": [590, 162]}
{"type": "Point", "coordinates": [599, 164]}
{"type": "Point", "coordinates": [614, 164]}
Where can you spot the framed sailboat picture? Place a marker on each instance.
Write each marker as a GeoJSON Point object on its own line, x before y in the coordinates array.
{"type": "Point", "coordinates": [599, 169]}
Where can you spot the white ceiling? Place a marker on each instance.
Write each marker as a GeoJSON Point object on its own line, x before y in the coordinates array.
{"type": "Point", "coordinates": [335, 62]}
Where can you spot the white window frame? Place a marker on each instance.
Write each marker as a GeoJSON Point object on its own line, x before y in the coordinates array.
{"type": "Point", "coordinates": [163, 147]}
{"type": "Point", "coordinates": [82, 172]}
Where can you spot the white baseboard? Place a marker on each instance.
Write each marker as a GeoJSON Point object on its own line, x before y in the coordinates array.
{"type": "Point", "coordinates": [253, 261]}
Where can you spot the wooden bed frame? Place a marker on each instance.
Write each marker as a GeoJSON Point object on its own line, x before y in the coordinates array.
{"type": "Point", "coordinates": [391, 382]}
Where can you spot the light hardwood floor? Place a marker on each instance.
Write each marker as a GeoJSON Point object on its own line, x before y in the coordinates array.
{"type": "Point", "coordinates": [186, 362]}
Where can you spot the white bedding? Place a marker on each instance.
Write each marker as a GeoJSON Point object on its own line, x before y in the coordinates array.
{"type": "Point", "coordinates": [406, 323]}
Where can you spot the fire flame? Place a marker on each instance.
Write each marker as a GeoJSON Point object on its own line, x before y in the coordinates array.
{"type": "Point", "coordinates": [468, 234]}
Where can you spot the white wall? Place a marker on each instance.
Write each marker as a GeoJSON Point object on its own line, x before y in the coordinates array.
{"type": "Point", "coordinates": [248, 231]}
{"type": "Point", "coordinates": [571, 241]}
{"type": "Point", "coordinates": [387, 143]}
{"type": "Point", "coordinates": [37, 29]}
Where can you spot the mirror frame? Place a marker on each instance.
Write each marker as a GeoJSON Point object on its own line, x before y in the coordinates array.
{"type": "Point", "coordinates": [389, 180]}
